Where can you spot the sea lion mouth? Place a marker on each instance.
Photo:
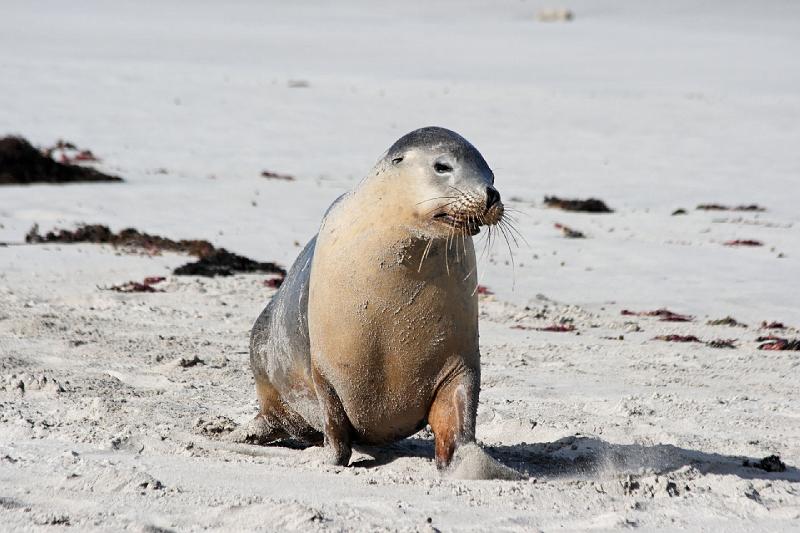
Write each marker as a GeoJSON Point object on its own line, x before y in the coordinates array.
{"type": "Point", "coordinates": [461, 223]}
{"type": "Point", "coordinates": [467, 213]}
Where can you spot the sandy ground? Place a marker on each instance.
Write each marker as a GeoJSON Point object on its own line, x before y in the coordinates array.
{"type": "Point", "coordinates": [107, 428]}
{"type": "Point", "coordinates": [107, 422]}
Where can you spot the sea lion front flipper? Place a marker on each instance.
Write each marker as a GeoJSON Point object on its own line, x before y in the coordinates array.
{"type": "Point", "coordinates": [338, 430]}
{"type": "Point", "coordinates": [452, 415]}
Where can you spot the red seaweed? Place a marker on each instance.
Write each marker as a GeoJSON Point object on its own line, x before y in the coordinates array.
{"type": "Point", "coordinates": [778, 343]}
{"type": "Point", "coordinates": [135, 286]}
{"type": "Point", "coordinates": [569, 232]}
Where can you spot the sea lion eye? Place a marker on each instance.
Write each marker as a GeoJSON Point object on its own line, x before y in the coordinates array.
{"type": "Point", "coordinates": [442, 168]}
{"type": "Point", "coordinates": [396, 160]}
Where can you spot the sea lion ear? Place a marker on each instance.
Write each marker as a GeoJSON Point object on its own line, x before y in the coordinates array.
{"type": "Point", "coordinates": [397, 160]}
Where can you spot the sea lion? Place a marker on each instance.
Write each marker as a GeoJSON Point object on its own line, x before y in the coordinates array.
{"type": "Point", "coordinates": [374, 332]}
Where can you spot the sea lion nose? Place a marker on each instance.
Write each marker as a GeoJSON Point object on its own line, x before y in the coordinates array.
{"type": "Point", "coordinates": [492, 197]}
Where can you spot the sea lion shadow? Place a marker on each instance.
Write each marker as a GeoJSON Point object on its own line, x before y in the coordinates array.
{"type": "Point", "coordinates": [590, 457]}
{"type": "Point", "coordinates": [383, 455]}
{"type": "Point", "coordinates": [586, 457]}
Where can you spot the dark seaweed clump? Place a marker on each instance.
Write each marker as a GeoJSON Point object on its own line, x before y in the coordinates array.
{"type": "Point", "coordinates": [221, 262]}
{"type": "Point", "coordinates": [21, 163]}
{"type": "Point", "coordinates": [212, 261]}
{"type": "Point", "coordinates": [127, 238]}
{"type": "Point", "coordinates": [591, 205]}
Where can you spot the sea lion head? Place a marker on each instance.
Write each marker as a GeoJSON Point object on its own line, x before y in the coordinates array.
{"type": "Point", "coordinates": [451, 181]}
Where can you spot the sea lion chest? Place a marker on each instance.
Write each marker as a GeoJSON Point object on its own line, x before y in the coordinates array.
{"type": "Point", "coordinates": [386, 332]}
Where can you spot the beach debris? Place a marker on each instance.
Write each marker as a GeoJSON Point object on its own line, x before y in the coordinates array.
{"type": "Point", "coordinates": [743, 242]}
{"type": "Point", "coordinates": [770, 463]}
{"type": "Point", "coordinates": [276, 176]}
{"type": "Point", "coordinates": [591, 205]}
{"type": "Point", "coordinates": [21, 163]}
{"type": "Point", "coordinates": [186, 363]}
{"type": "Point", "coordinates": [716, 343]}
{"type": "Point", "coordinates": [679, 211]}
{"type": "Point", "coordinates": [558, 328]}
{"type": "Point", "coordinates": [273, 283]}
{"type": "Point", "coordinates": [484, 290]}
{"type": "Point", "coordinates": [69, 154]}
{"type": "Point", "coordinates": [722, 343]}
{"type": "Point", "coordinates": [212, 261]}
{"type": "Point", "coordinates": [555, 15]}
{"type": "Point", "coordinates": [677, 338]}
{"type": "Point", "coordinates": [569, 232]}
{"type": "Point", "coordinates": [772, 325]}
{"type": "Point", "coordinates": [221, 262]}
{"type": "Point", "coordinates": [665, 315]}
{"type": "Point", "coordinates": [727, 321]}
{"type": "Point", "coordinates": [134, 286]}
{"type": "Point", "coordinates": [127, 238]}
{"type": "Point", "coordinates": [720, 207]}
{"type": "Point", "coordinates": [771, 342]}
{"type": "Point", "coordinates": [52, 519]}
{"type": "Point", "coordinates": [564, 326]}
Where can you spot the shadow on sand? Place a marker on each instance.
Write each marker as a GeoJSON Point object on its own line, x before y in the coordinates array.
{"type": "Point", "coordinates": [587, 457]}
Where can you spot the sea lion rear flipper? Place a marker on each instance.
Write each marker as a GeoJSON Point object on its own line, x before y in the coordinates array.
{"type": "Point", "coordinates": [262, 430]}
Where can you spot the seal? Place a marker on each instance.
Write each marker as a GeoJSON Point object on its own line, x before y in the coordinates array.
{"type": "Point", "coordinates": [374, 332]}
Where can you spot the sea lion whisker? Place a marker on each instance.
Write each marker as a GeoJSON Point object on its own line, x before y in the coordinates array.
{"type": "Point", "coordinates": [515, 211]}
{"type": "Point", "coordinates": [512, 227]}
{"type": "Point", "coordinates": [511, 254]}
{"type": "Point", "coordinates": [464, 242]}
{"type": "Point", "coordinates": [437, 198]}
{"type": "Point", "coordinates": [487, 243]}
{"type": "Point", "coordinates": [504, 225]}
{"type": "Point", "coordinates": [447, 252]}
{"type": "Point", "coordinates": [437, 208]}
{"type": "Point", "coordinates": [455, 241]}
{"type": "Point", "coordinates": [487, 240]}
{"type": "Point", "coordinates": [459, 191]}
{"type": "Point", "coordinates": [484, 256]}
{"type": "Point", "coordinates": [425, 254]}
{"type": "Point", "coordinates": [477, 283]}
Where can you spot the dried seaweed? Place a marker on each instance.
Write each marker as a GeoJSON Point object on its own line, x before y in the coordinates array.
{"type": "Point", "coordinates": [743, 242]}
{"type": "Point", "coordinates": [665, 315]}
{"type": "Point", "coordinates": [569, 232]}
{"type": "Point", "coordinates": [212, 261]}
{"type": "Point", "coordinates": [21, 163]}
{"type": "Point", "coordinates": [677, 338]}
{"type": "Point", "coordinates": [590, 205]}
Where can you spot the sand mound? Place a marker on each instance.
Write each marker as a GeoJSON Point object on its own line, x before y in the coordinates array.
{"type": "Point", "coordinates": [471, 462]}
